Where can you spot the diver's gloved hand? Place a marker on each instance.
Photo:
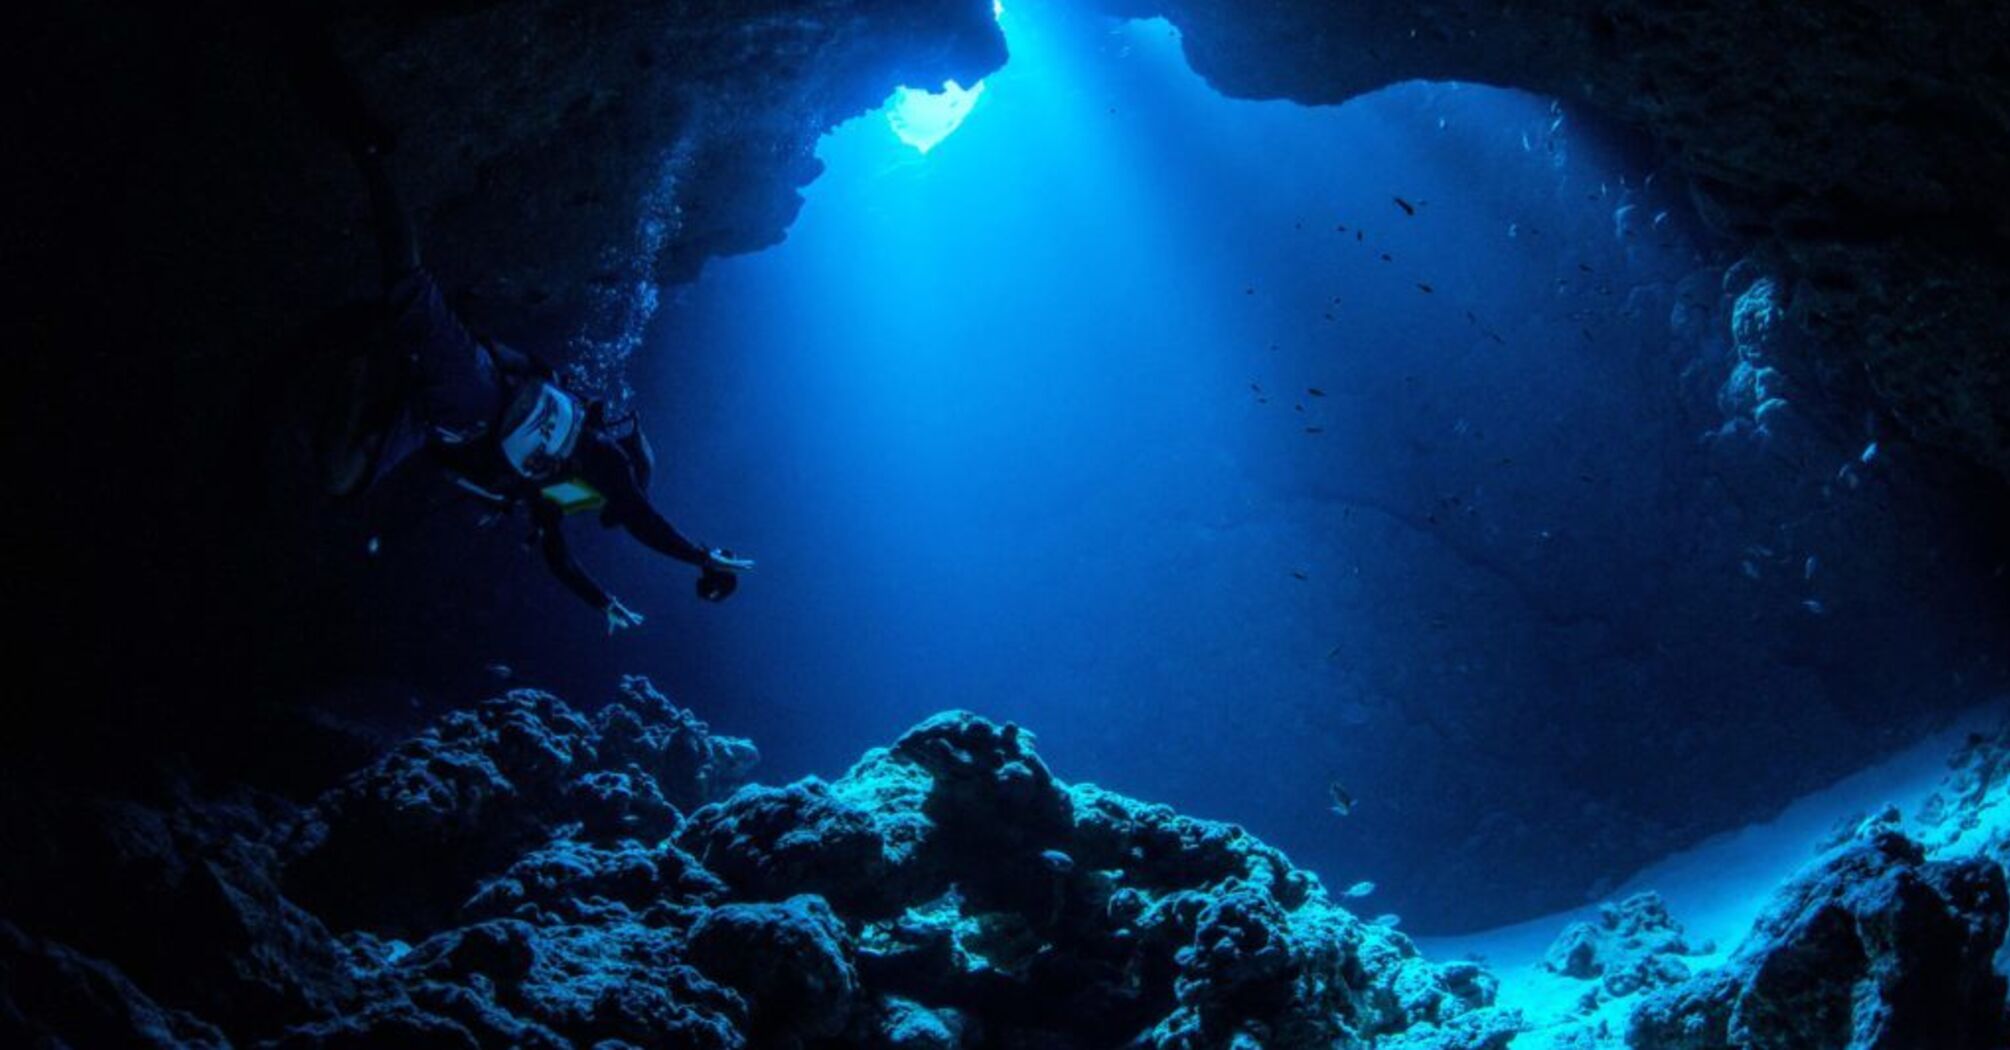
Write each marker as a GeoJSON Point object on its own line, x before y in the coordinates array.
{"type": "Point", "coordinates": [718, 577]}
{"type": "Point", "coordinates": [719, 559]}
{"type": "Point", "coordinates": [620, 617]}
{"type": "Point", "coordinates": [715, 585]}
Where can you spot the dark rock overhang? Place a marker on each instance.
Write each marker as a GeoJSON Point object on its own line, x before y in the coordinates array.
{"type": "Point", "coordinates": [1858, 148]}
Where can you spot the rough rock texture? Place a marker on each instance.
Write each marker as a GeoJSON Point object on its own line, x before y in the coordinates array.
{"type": "Point", "coordinates": [1635, 945]}
{"type": "Point", "coordinates": [1890, 939]}
{"type": "Point", "coordinates": [483, 885]}
{"type": "Point", "coordinates": [178, 221]}
{"type": "Point", "coordinates": [184, 233]}
{"type": "Point", "coordinates": [1856, 146]}
{"type": "Point", "coordinates": [1884, 941]}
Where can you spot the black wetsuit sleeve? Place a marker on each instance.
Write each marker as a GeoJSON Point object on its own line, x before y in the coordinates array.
{"type": "Point", "coordinates": [558, 555]}
{"type": "Point", "coordinates": [605, 467]}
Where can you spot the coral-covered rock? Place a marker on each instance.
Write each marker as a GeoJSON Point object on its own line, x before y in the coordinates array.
{"type": "Point", "coordinates": [688, 763]}
{"type": "Point", "coordinates": [136, 884]}
{"type": "Point", "coordinates": [1635, 945]}
{"type": "Point", "coordinates": [405, 841]}
{"type": "Point", "coordinates": [51, 995]}
{"type": "Point", "coordinates": [1876, 947]}
{"type": "Point", "coordinates": [790, 961]}
{"type": "Point", "coordinates": [771, 843]}
{"type": "Point", "coordinates": [950, 892]}
{"type": "Point", "coordinates": [573, 881]}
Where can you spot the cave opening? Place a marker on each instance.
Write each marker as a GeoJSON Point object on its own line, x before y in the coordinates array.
{"type": "Point", "coordinates": [1241, 449]}
{"type": "Point", "coordinates": [1483, 566]}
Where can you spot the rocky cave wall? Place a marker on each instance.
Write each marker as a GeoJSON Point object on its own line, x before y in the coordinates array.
{"type": "Point", "coordinates": [525, 873]}
{"type": "Point", "coordinates": [181, 226]}
{"type": "Point", "coordinates": [180, 217]}
{"type": "Point", "coordinates": [1858, 148]}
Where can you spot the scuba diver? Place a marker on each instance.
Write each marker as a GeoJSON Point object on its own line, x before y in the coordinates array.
{"type": "Point", "coordinates": [496, 419]}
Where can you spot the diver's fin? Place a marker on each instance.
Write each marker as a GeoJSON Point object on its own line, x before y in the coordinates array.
{"type": "Point", "coordinates": [363, 401]}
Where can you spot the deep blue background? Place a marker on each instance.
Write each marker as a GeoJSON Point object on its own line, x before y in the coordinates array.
{"type": "Point", "coordinates": [1021, 426]}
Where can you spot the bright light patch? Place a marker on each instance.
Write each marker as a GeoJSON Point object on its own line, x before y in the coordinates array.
{"type": "Point", "coordinates": [923, 119]}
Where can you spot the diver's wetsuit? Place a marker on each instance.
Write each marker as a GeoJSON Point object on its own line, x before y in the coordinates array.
{"type": "Point", "coordinates": [603, 464]}
{"type": "Point", "coordinates": [463, 385]}
{"type": "Point", "coordinates": [460, 388]}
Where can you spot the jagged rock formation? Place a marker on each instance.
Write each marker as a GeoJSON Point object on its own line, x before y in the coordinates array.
{"type": "Point", "coordinates": [1856, 148]}
{"type": "Point", "coordinates": [1884, 941]}
{"type": "Point", "coordinates": [521, 874]}
{"type": "Point", "coordinates": [1635, 945]}
{"type": "Point", "coordinates": [183, 223]}
{"type": "Point", "coordinates": [1876, 947]}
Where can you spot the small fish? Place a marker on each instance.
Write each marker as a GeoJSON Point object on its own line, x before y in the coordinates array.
{"type": "Point", "coordinates": [1297, 575]}
{"type": "Point", "coordinates": [1749, 569]}
{"type": "Point", "coordinates": [1586, 267]}
{"type": "Point", "coordinates": [1315, 391]}
{"type": "Point", "coordinates": [1359, 236]}
{"type": "Point", "coordinates": [1343, 803]}
{"type": "Point", "coordinates": [1262, 400]}
{"type": "Point", "coordinates": [1389, 921]}
{"type": "Point", "coordinates": [1342, 228]}
{"type": "Point", "coordinates": [1249, 291]}
{"type": "Point", "coordinates": [1514, 230]}
{"type": "Point", "coordinates": [1298, 407]}
{"type": "Point", "coordinates": [1258, 387]}
{"type": "Point", "coordinates": [1425, 288]}
{"type": "Point", "coordinates": [1408, 208]}
{"type": "Point", "coordinates": [1360, 890]}
{"type": "Point", "coordinates": [1315, 430]}
{"type": "Point", "coordinates": [1808, 570]}
{"type": "Point", "coordinates": [1057, 862]}
{"type": "Point", "coordinates": [1869, 454]}
{"type": "Point", "coordinates": [374, 546]}
{"type": "Point", "coordinates": [1333, 653]}
{"type": "Point", "coordinates": [1815, 606]}
{"type": "Point", "coordinates": [500, 672]}
{"type": "Point", "coordinates": [1526, 145]}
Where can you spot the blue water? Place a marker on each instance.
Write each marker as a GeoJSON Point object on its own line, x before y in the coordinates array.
{"type": "Point", "coordinates": [1024, 425]}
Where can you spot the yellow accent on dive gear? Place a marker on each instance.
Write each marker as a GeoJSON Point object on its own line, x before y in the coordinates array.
{"type": "Point", "coordinates": [574, 496]}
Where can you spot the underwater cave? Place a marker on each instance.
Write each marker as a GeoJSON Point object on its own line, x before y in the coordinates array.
{"type": "Point", "coordinates": [1385, 526]}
